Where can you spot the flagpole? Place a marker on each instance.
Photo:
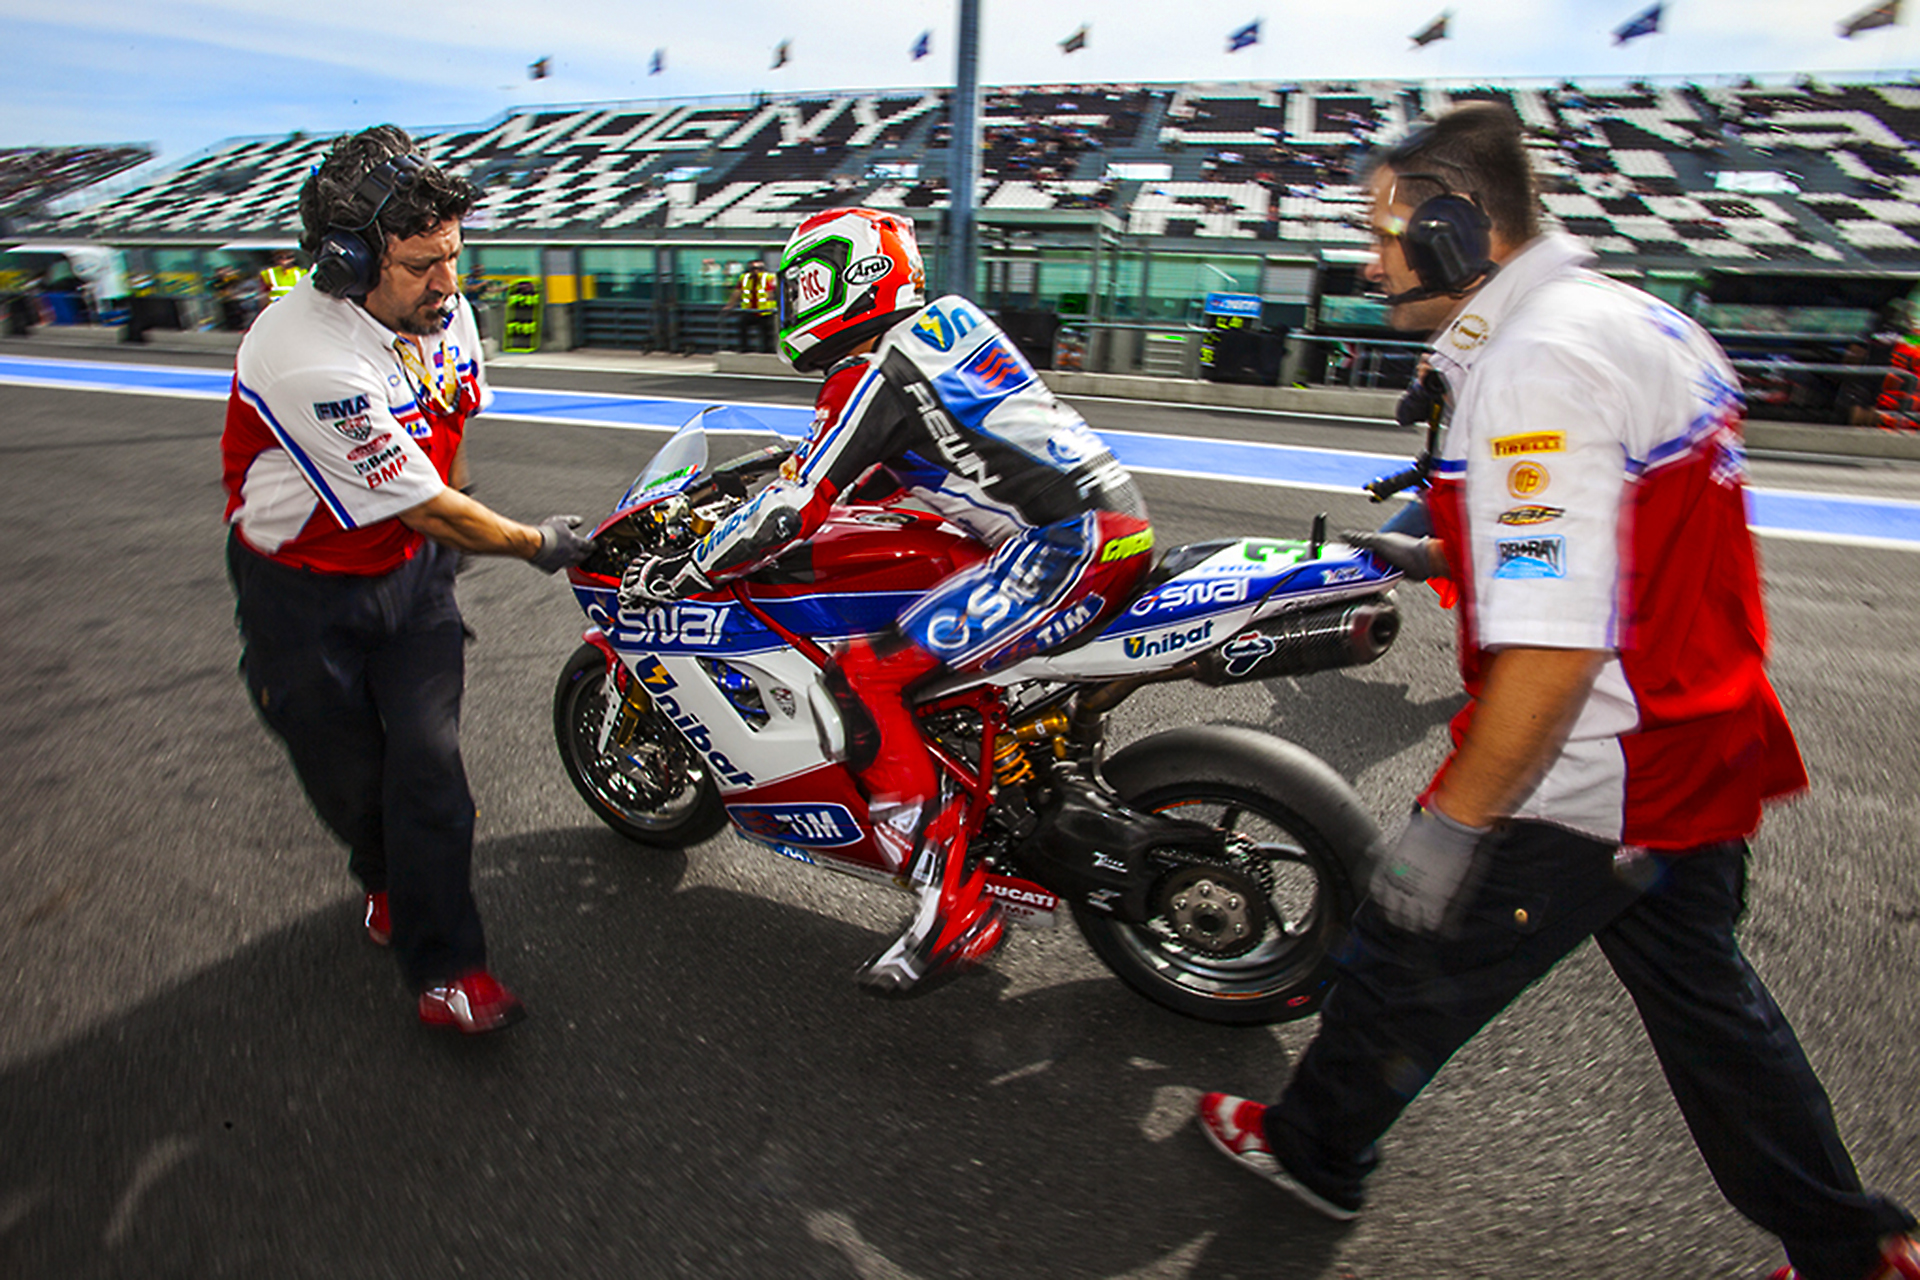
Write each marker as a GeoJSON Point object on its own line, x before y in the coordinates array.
{"type": "Point", "coordinates": [963, 174]}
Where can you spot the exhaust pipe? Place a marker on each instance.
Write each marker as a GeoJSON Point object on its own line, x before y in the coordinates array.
{"type": "Point", "coordinates": [1295, 644]}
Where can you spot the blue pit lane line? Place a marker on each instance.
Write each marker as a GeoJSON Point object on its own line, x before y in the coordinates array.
{"type": "Point", "coordinates": [1879, 522]}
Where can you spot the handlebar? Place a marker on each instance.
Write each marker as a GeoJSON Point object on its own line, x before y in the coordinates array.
{"type": "Point", "coordinates": [1386, 486]}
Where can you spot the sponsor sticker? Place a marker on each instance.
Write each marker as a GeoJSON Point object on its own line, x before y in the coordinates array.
{"type": "Point", "coordinates": [1131, 545]}
{"type": "Point", "coordinates": [1168, 642]}
{"type": "Point", "coordinates": [1245, 651]}
{"type": "Point", "coordinates": [1524, 479]}
{"type": "Point", "coordinates": [356, 428]}
{"type": "Point", "coordinates": [1537, 557]}
{"type": "Point", "coordinates": [1530, 442]}
{"type": "Point", "coordinates": [812, 285]}
{"type": "Point", "coordinates": [1181, 594]}
{"type": "Point", "coordinates": [1531, 514]}
{"type": "Point", "coordinates": [328, 410]}
{"type": "Point", "coordinates": [868, 269]}
{"type": "Point", "coordinates": [807, 825]}
{"type": "Point", "coordinates": [371, 447]}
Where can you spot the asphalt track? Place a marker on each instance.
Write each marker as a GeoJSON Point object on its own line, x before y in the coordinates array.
{"type": "Point", "coordinates": [206, 1071]}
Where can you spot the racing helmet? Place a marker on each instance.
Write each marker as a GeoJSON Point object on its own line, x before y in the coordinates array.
{"type": "Point", "coordinates": [846, 275]}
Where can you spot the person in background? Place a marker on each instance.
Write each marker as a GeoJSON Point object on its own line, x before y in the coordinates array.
{"type": "Point", "coordinates": [282, 273]}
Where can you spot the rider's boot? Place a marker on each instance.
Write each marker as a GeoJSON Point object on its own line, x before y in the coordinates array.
{"type": "Point", "coordinates": [955, 924]}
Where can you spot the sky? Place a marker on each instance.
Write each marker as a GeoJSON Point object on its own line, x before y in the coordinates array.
{"type": "Point", "coordinates": [185, 75]}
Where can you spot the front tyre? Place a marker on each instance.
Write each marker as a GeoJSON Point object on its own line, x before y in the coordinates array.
{"type": "Point", "coordinates": [649, 784]}
{"type": "Point", "coordinates": [1297, 835]}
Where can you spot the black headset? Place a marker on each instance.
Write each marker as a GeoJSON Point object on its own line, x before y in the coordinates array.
{"type": "Point", "coordinates": [347, 264]}
{"type": "Point", "coordinates": [1447, 242]}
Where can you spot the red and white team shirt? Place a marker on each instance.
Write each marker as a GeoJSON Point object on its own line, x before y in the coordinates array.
{"type": "Point", "coordinates": [1590, 494]}
{"type": "Point", "coordinates": [330, 433]}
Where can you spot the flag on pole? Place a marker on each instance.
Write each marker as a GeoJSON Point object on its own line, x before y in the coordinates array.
{"type": "Point", "coordinates": [659, 63]}
{"type": "Point", "coordinates": [1249, 34]}
{"type": "Point", "coordinates": [1645, 24]}
{"type": "Point", "coordinates": [923, 46]}
{"type": "Point", "coordinates": [1435, 30]}
{"type": "Point", "coordinates": [1075, 42]}
{"type": "Point", "coordinates": [539, 70]}
{"type": "Point", "coordinates": [1876, 15]}
{"type": "Point", "coordinates": [781, 54]}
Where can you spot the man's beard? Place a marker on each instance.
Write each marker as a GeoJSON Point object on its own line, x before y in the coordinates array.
{"type": "Point", "coordinates": [423, 321]}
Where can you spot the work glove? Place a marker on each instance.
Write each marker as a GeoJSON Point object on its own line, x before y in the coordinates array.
{"type": "Point", "coordinates": [661, 579]}
{"type": "Point", "coordinates": [1418, 401]}
{"type": "Point", "coordinates": [560, 546]}
{"type": "Point", "coordinates": [1418, 880]}
{"type": "Point", "coordinates": [1418, 558]}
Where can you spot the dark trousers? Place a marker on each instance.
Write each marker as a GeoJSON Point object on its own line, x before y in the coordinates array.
{"type": "Point", "coordinates": [1403, 1003]}
{"type": "Point", "coordinates": [361, 678]}
{"type": "Point", "coordinates": [756, 331]}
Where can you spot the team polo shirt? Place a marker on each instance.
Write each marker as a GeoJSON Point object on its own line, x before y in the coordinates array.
{"type": "Point", "coordinates": [330, 434]}
{"type": "Point", "coordinates": [1590, 494]}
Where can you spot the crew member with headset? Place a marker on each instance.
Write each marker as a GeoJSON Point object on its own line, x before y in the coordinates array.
{"type": "Point", "coordinates": [1620, 737]}
{"type": "Point", "coordinates": [344, 470]}
{"type": "Point", "coordinates": [281, 275]}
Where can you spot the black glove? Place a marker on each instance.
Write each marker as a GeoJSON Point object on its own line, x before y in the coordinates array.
{"type": "Point", "coordinates": [1422, 396]}
{"type": "Point", "coordinates": [560, 546]}
{"type": "Point", "coordinates": [1418, 558]}
{"type": "Point", "coordinates": [660, 579]}
{"type": "Point", "coordinates": [1418, 880]}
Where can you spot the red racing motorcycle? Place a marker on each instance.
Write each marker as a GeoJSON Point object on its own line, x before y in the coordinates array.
{"type": "Point", "coordinates": [1212, 868]}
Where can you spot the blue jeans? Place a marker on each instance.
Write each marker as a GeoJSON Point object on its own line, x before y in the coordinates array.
{"type": "Point", "coordinates": [361, 678]}
{"type": "Point", "coordinates": [1403, 1003]}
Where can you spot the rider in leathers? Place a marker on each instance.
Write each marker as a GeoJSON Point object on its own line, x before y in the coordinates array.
{"type": "Point", "coordinates": [937, 399]}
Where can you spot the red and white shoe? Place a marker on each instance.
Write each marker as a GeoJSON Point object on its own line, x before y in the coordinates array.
{"type": "Point", "coordinates": [1236, 1126]}
{"type": "Point", "coordinates": [379, 926]}
{"type": "Point", "coordinates": [1899, 1260]}
{"type": "Point", "coordinates": [473, 1005]}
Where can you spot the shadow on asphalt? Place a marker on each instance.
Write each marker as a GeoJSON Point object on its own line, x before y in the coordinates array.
{"type": "Point", "coordinates": [676, 1106]}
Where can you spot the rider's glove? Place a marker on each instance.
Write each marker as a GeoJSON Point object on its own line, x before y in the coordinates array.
{"type": "Point", "coordinates": [1418, 558]}
{"type": "Point", "coordinates": [560, 546]}
{"type": "Point", "coordinates": [659, 579]}
{"type": "Point", "coordinates": [1419, 878]}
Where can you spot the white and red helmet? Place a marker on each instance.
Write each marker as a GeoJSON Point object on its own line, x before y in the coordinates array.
{"type": "Point", "coordinates": [846, 275]}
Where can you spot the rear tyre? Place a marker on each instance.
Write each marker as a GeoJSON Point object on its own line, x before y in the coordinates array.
{"type": "Point", "coordinates": [654, 788]}
{"type": "Point", "coordinates": [1298, 835]}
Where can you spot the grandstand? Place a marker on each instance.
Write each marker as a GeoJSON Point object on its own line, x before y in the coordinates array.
{"type": "Point", "coordinates": [32, 178]}
{"type": "Point", "coordinates": [1117, 204]}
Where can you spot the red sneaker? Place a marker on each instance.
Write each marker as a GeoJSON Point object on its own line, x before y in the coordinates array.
{"type": "Point", "coordinates": [1899, 1260]}
{"type": "Point", "coordinates": [1235, 1126]}
{"type": "Point", "coordinates": [474, 1005]}
{"type": "Point", "coordinates": [379, 928]}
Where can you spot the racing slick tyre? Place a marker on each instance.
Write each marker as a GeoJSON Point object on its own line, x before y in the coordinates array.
{"type": "Point", "coordinates": [649, 784]}
{"type": "Point", "coordinates": [1251, 941]}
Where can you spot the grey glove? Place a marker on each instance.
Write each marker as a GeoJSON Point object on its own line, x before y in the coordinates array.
{"type": "Point", "coordinates": [660, 579]}
{"type": "Point", "coordinates": [1419, 878]}
{"type": "Point", "coordinates": [1418, 558]}
{"type": "Point", "coordinates": [560, 546]}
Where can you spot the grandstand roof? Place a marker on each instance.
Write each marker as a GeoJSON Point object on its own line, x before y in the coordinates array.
{"type": "Point", "coordinates": [1800, 177]}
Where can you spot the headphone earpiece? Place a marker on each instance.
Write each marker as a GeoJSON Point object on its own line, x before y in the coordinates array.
{"type": "Point", "coordinates": [1447, 243]}
{"type": "Point", "coordinates": [347, 264]}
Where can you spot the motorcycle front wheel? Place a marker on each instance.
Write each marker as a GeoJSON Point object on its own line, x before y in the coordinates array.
{"type": "Point", "coordinates": [653, 787]}
{"type": "Point", "coordinates": [1298, 837]}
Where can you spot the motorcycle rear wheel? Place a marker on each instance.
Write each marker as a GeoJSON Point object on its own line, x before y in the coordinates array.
{"type": "Point", "coordinates": [659, 793]}
{"type": "Point", "coordinates": [1302, 833]}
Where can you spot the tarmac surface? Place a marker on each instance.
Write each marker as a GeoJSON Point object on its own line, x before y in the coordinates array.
{"type": "Point", "coordinates": [206, 1070]}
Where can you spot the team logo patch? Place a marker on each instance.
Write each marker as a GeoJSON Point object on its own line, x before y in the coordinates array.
{"type": "Point", "coordinates": [1525, 479]}
{"type": "Point", "coordinates": [356, 428]}
{"type": "Point", "coordinates": [1470, 331]}
{"type": "Point", "coordinates": [1531, 514]}
{"type": "Point", "coordinates": [1530, 557]}
{"type": "Point", "coordinates": [1532, 442]}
